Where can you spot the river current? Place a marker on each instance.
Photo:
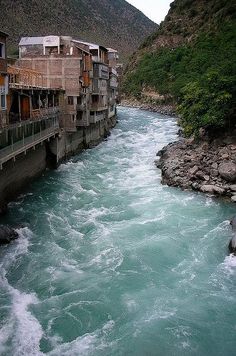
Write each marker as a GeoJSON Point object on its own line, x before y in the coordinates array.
{"type": "Point", "coordinates": [110, 262]}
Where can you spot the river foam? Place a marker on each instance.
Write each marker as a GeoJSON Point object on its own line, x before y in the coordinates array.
{"type": "Point", "coordinates": [114, 263]}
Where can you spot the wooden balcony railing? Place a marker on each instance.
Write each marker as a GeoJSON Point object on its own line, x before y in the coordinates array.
{"type": "Point", "coordinates": [10, 119]}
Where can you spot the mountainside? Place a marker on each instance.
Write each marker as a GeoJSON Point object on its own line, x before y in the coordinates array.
{"type": "Point", "coordinates": [113, 23]}
{"type": "Point", "coordinates": [190, 60]}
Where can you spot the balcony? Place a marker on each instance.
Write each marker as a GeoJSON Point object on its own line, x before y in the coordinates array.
{"type": "Point", "coordinates": [11, 119]}
{"type": "Point", "coordinates": [98, 107]}
{"type": "Point", "coordinates": [12, 150]}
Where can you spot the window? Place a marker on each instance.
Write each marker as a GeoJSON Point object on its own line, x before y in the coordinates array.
{"type": "Point", "coordinates": [70, 100]}
{"type": "Point", "coordinates": [2, 50]}
{"type": "Point", "coordinates": [3, 101]}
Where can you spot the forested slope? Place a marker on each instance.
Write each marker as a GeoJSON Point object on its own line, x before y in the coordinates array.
{"type": "Point", "coordinates": [191, 61]}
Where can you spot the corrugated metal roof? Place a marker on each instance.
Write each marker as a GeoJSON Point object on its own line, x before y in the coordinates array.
{"type": "Point", "coordinates": [26, 41]}
{"type": "Point", "coordinates": [91, 45]}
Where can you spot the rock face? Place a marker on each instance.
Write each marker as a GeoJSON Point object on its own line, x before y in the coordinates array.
{"type": "Point", "coordinates": [209, 167]}
{"type": "Point", "coordinates": [7, 234]}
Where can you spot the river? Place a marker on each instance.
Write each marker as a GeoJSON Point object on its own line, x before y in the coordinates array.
{"type": "Point", "coordinates": [112, 263]}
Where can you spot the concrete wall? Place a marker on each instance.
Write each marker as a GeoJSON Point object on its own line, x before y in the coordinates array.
{"type": "Point", "coordinates": [15, 176]}
{"type": "Point", "coordinates": [68, 144]}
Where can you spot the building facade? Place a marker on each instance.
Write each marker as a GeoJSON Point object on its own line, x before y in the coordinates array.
{"type": "Point", "coordinates": [58, 98]}
{"type": "Point", "coordinates": [82, 69]}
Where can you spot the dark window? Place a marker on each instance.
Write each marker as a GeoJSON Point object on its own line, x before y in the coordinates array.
{"type": "Point", "coordinates": [3, 101]}
{"type": "Point", "coordinates": [70, 100]}
{"type": "Point", "coordinates": [95, 99]}
{"type": "Point", "coordinates": [2, 50]}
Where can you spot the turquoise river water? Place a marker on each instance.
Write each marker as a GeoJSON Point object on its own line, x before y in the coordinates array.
{"type": "Point", "coordinates": [110, 262]}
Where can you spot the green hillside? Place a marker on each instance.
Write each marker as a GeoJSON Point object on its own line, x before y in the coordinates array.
{"type": "Point", "coordinates": [191, 61]}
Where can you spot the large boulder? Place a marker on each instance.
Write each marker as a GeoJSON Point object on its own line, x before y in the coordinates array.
{"type": "Point", "coordinates": [233, 198]}
{"type": "Point", "coordinates": [228, 171]}
{"type": "Point", "coordinates": [212, 189]}
{"type": "Point", "coordinates": [7, 234]}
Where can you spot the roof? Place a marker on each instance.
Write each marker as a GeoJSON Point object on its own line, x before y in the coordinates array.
{"type": "Point", "coordinates": [78, 43]}
{"type": "Point", "coordinates": [26, 41]}
{"type": "Point", "coordinates": [112, 50]}
{"type": "Point", "coordinates": [91, 45]}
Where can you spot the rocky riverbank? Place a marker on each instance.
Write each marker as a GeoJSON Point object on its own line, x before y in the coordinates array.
{"type": "Point", "coordinates": [209, 167]}
{"type": "Point", "coordinates": [163, 109]}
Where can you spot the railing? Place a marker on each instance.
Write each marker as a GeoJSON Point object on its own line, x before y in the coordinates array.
{"type": "Point", "coordinates": [45, 112]}
{"type": "Point", "coordinates": [10, 120]}
{"type": "Point", "coordinates": [22, 77]}
{"type": "Point", "coordinates": [98, 107]}
{"type": "Point", "coordinates": [26, 143]}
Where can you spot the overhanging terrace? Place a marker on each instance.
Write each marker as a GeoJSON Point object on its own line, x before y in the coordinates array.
{"type": "Point", "coordinates": [33, 115]}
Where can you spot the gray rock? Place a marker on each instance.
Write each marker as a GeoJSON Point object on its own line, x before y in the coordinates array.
{"type": "Point", "coordinates": [212, 189]}
{"type": "Point", "coordinates": [200, 175]}
{"type": "Point", "coordinates": [214, 172]}
{"type": "Point", "coordinates": [214, 165]}
{"type": "Point", "coordinates": [195, 186]}
{"type": "Point", "coordinates": [193, 170]}
{"type": "Point", "coordinates": [219, 190]}
{"type": "Point", "coordinates": [225, 156]}
{"type": "Point", "coordinates": [233, 198]}
{"type": "Point", "coordinates": [207, 188]}
{"type": "Point", "coordinates": [228, 171]}
{"type": "Point", "coordinates": [158, 163]}
{"type": "Point", "coordinates": [233, 188]}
